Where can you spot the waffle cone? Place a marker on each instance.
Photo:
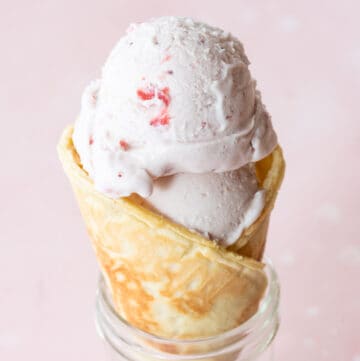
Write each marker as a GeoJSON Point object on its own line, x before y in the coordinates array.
{"type": "Point", "coordinates": [164, 278]}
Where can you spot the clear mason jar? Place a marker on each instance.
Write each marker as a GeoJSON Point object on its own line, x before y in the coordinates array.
{"type": "Point", "coordinates": [253, 340]}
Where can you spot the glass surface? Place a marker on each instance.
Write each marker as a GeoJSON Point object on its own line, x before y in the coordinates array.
{"type": "Point", "coordinates": [250, 341]}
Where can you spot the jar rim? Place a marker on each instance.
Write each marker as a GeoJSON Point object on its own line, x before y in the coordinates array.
{"type": "Point", "coordinates": [268, 306]}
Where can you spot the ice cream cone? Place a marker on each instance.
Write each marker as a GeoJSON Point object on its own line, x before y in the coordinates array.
{"type": "Point", "coordinates": [164, 278]}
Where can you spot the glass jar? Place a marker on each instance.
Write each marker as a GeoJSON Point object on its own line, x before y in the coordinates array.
{"type": "Point", "coordinates": [250, 341]}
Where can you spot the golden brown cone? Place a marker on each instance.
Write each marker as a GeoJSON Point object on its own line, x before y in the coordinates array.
{"type": "Point", "coordinates": [165, 279]}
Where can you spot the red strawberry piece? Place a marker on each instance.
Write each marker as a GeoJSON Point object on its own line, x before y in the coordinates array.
{"type": "Point", "coordinates": [164, 96]}
{"type": "Point", "coordinates": [162, 119]}
{"type": "Point", "coordinates": [146, 94]}
{"type": "Point", "coordinates": [124, 145]}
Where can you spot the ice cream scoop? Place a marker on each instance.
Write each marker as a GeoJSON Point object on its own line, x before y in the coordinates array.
{"type": "Point", "coordinates": [175, 96]}
{"type": "Point", "coordinates": [218, 205]}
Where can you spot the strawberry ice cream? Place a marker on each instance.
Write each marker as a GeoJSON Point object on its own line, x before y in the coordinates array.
{"type": "Point", "coordinates": [176, 100]}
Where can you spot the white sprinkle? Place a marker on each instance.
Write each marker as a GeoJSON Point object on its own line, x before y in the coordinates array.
{"type": "Point", "coordinates": [356, 358]}
{"type": "Point", "coordinates": [312, 311]}
{"type": "Point", "coordinates": [328, 212]}
{"type": "Point", "coordinates": [289, 24]}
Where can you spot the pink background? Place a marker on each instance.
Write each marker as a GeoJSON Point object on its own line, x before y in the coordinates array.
{"type": "Point", "coordinates": [306, 58]}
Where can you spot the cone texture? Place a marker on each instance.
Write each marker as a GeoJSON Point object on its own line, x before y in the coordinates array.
{"type": "Point", "coordinates": [165, 279]}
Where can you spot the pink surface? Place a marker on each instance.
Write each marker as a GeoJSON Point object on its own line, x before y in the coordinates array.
{"type": "Point", "coordinates": [307, 62]}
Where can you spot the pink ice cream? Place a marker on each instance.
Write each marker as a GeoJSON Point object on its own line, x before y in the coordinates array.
{"type": "Point", "coordinates": [176, 98]}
